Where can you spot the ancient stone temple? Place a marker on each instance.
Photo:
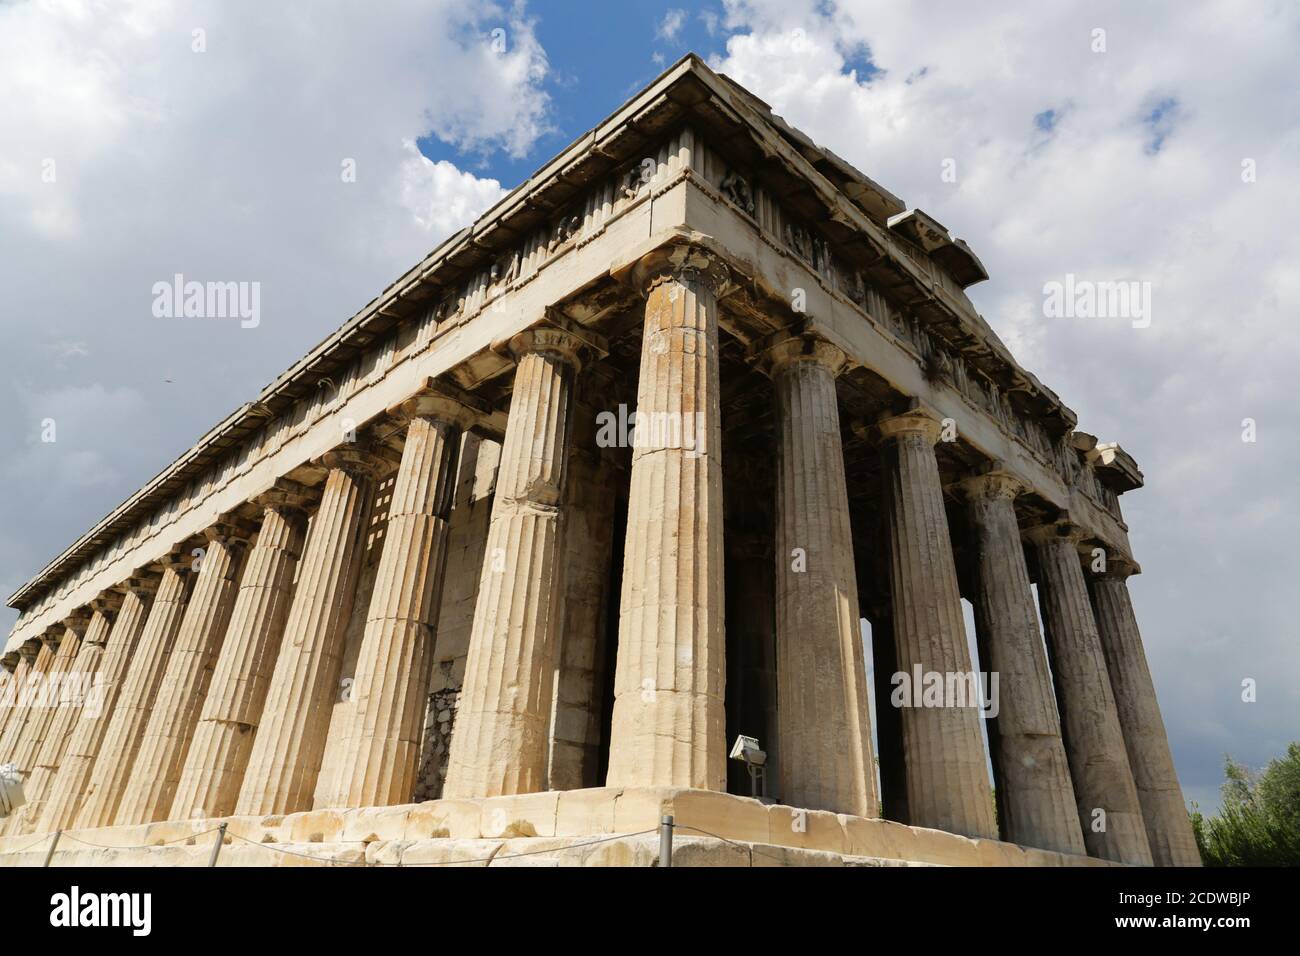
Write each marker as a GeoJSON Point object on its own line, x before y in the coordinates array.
{"type": "Point", "coordinates": [694, 435]}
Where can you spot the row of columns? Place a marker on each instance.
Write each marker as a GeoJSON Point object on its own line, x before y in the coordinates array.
{"type": "Point", "coordinates": [219, 692]}
{"type": "Point", "coordinates": [233, 669]}
{"type": "Point", "coordinates": [1066, 756]}
{"type": "Point", "coordinates": [1068, 780]}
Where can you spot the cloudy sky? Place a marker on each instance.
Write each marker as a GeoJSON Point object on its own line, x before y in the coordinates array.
{"type": "Point", "coordinates": [1109, 141]}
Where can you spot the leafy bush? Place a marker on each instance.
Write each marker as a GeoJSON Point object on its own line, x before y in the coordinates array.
{"type": "Point", "coordinates": [1259, 823]}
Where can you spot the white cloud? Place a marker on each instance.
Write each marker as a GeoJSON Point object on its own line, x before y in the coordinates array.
{"type": "Point", "coordinates": [671, 24]}
{"type": "Point", "coordinates": [129, 157]}
{"type": "Point", "coordinates": [1091, 195]}
{"type": "Point", "coordinates": [441, 197]}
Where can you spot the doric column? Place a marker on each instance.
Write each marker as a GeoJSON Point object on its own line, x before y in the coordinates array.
{"type": "Point", "coordinates": [9, 667]}
{"type": "Point", "coordinates": [37, 655]}
{"type": "Point", "coordinates": [135, 702]}
{"type": "Point", "coordinates": [64, 642]}
{"type": "Point", "coordinates": [152, 785]}
{"type": "Point", "coordinates": [79, 692]}
{"type": "Point", "coordinates": [79, 756]}
{"type": "Point", "coordinates": [1103, 783]}
{"type": "Point", "coordinates": [223, 739]}
{"type": "Point", "coordinates": [500, 741]}
{"type": "Point", "coordinates": [1035, 795]}
{"type": "Point", "coordinates": [290, 741]}
{"type": "Point", "coordinates": [1169, 831]}
{"type": "Point", "coordinates": [669, 723]}
{"type": "Point", "coordinates": [390, 689]}
{"type": "Point", "coordinates": [947, 779]}
{"type": "Point", "coordinates": [18, 694]}
{"type": "Point", "coordinates": [823, 712]}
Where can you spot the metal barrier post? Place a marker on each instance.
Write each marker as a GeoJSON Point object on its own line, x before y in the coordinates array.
{"type": "Point", "coordinates": [666, 840]}
{"type": "Point", "coordinates": [216, 850]}
{"type": "Point", "coordinates": [49, 854]}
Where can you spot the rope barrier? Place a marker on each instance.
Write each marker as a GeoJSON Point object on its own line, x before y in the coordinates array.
{"type": "Point", "coordinates": [102, 846]}
{"type": "Point", "coordinates": [39, 839]}
{"type": "Point", "coordinates": [399, 864]}
{"type": "Point", "coordinates": [332, 861]}
{"type": "Point", "coordinates": [515, 856]}
{"type": "Point", "coordinates": [306, 856]}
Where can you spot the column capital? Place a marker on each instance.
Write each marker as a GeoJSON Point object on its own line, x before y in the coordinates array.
{"type": "Point", "coordinates": [779, 353]}
{"type": "Point", "coordinates": [29, 649]}
{"type": "Point", "coordinates": [920, 421]}
{"type": "Point", "coordinates": [1118, 568]}
{"type": "Point", "coordinates": [54, 635]}
{"type": "Point", "coordinates": [359, 460]}
{"type": "Point", "coordinates": [682, 261]}
{"type": "Point", "coordinates": [1060, 530]}
{"type": "Point", "coordinates": [230, 530]}
{"type": "Point", "coordinates": [107, 602]}
{"type": "Point", "coordinates": [176, 559]}
{"type": "Point", "coordinates": [443, 402]}
{"type": "Point", "coordinates": [557, 335]}
{"type": "Point", "coordinates": [284, 495]}
{"type": "Point", "coordinates": [143, 582]}
{"type": "Point", "coordinates": [994, 483]}
{"type": "Point", "coordinates": [79, 618]}
{"type": "Point", "coordinates": [10, 661]}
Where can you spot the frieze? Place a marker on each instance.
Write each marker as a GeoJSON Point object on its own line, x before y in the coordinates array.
{"type": "Point", "coordinates": [942, 362]}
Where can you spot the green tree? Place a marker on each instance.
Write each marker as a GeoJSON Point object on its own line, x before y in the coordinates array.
{"type": "Point", "coordinates": [1259, 823]}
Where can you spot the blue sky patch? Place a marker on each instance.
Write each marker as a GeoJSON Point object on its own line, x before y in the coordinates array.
{"type": "Point", "coordinates": [597, 61]}
{"type": "Point", "coordinates": [1160, 121]}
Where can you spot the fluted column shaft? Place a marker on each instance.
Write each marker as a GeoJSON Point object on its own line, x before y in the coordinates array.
{"type": "Point", "coordinates": [1035, 795]}
{"type": "Point", "coordinates": [11, 678]}
{"type": "Point", "coordinates": [42, 715]}
{"type": "Point", "coordinates": [1094, 742]}
{"type": "Point", "coordinates": [290, 741]}
{"type": "Point", "coordinates": [27, 695]}
{"type": "Point", "coordinates": [26, 691]}
{"type": "Point", "coordinates": [823, 712]}
{"type": "Point", "coordinates": [75, 696]}
{"type": "Point", "coordinates": [669, 721]}
{"type": "Point", "coordinates": [18, 695]}
{"type": "Point", "coordinates": [502, 729]}
{"type": "Point", "coordinates": [1169, 832]}
{"type": "Point", "coordinates": [91, 722]}
{"type": "Point", "coordinates": [46, 705]}
{"type": "Point", "coordinates": [135, 703]}
{"type": "Point", "coordinates": [223, 739]}
{"type": "Point", "coordinates": [947, 779]}
{"type": "Point", "coordinates": [152, 785]}
{"type": "Point", "coordinates": [390, 689]}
